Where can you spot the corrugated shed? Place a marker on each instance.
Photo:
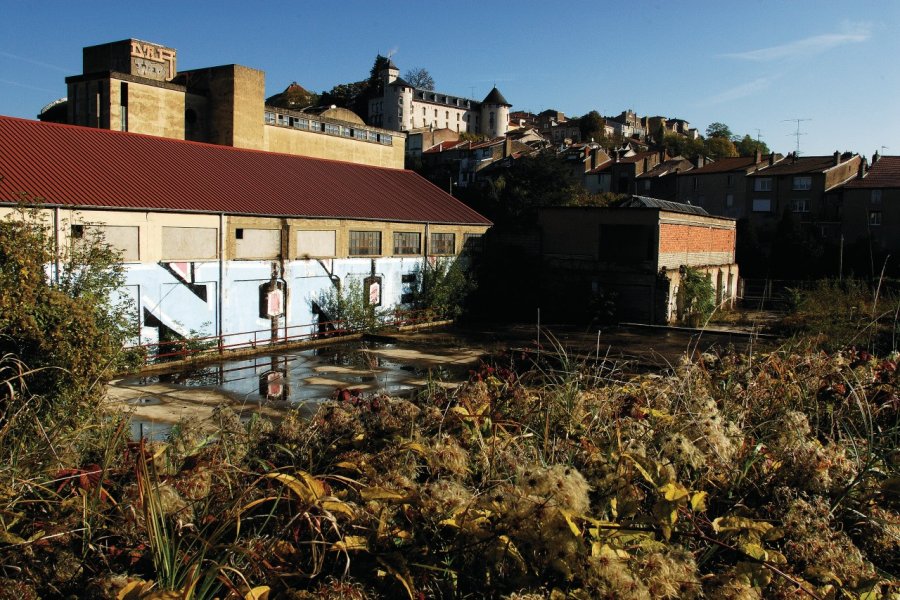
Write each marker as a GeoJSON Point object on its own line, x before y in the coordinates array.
{"type": "Point", "coordinates": [88, 168]}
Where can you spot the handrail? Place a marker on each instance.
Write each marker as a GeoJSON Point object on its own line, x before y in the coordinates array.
{"type": "Point", "coordinates": [156, 352]}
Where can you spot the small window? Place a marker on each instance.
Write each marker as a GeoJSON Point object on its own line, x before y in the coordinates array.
{"type": "Point", "coordinates": [270, 118]}
{"type": "Point", "coordinates": [239, 234]}
{"type": "Point", "coordinates": [443, 243]}
{"type": "Point", "coordinates": [407, 242]}
{"type": "Point", "coordinates": [762, 205]}
{"type": "Point", "coordinates": [695, 183]}
{"type": "Point", "coordinates": [365, 243]}
{"type": "Point", "coordinates": [800, 205]}
{"type": "Point", "coordinates": [409, 278]}
{"type": "Point", "coordinates": [762, 184]}
{"type": "Point", "coordinates": [729, 200]}
{"type": "Point", "coordinates": [876, 197]}
{"type": "Point", "coordinates": [874, 217]}
{"type": "Point", "coordinates": [407, 298]}
{"type": "Point", "coordinates": [729, 181]}
{"type": "Point", "coordinates": [77, 231]}
{"type": "Point", "coordinates": [802, 182]}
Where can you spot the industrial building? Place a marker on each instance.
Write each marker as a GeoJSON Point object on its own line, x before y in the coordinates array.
{"type": "Point", "coordinates": [219, 240]}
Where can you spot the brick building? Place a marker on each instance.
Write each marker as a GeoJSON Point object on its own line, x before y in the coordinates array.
{"type": "Point", "coordinates": [633, 255]}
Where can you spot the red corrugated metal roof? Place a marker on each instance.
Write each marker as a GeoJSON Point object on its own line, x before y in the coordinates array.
{"type": "Point", "coordinates": [84, 167]}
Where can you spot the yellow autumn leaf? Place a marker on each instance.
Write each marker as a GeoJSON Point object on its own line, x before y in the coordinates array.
{"type": "Point", "coordinates": [674, 492]}
{"type": "Point", "coordinates": [133, 590]}
{"type": "Point", "coordinates": [570, 522]}
{"type": "Point", "coordinates": [336, 506]}
{"type": "Point", "coordinates": [307, 488]}
{"type": "Point", "coordinates": [351, 543]}
{"type": "Point", "coordinates": [258, 593]}
{"type": "Point", "coordinates": [698, 501]}
{"type": "Point", "coordinates": [415, 447]}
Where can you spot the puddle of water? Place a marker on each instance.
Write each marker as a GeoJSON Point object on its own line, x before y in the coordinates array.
{"type": "Point", "coordinates": [306, 377]}
{"type": "Point", "coordinates": [294, 378]}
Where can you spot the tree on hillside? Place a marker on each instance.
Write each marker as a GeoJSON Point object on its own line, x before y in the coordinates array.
{"type": "Point", "coordinates": [718, 130]}
{"type": "Point", "coordinates": [419, 78]}
{"type": "Point", "coordinates": [747, 146]}
{"type": "Point", "coordinates": [513, 197]}
{"type": "Point", "coordinates": [720, 147]}
{"type": "Point", "coordinates": [679, 145]}
{"type": "Point", "coordinates": [355, 96]}
{"type": "Point", "coordinates": [591, 125]}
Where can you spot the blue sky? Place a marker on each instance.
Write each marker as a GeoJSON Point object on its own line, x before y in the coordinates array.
{"type": "Point", "coordinates": [753, 64]}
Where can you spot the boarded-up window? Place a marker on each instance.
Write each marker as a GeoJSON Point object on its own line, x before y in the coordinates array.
{"type": "Point", "coordinates": [443, 243]}
{"type": "Point", "coordinates": [365, 243]}
{"type": "Point", "coordinates": [315, 243]}
{"type": "Point", "coordinates": [257, 243]}
{"type": "Point", "coordinates": [189, 243]}
{"type": "Point", "coordinates": [123, 238]}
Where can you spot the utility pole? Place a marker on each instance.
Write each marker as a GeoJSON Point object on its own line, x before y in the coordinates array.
{"type": "Point", "coordinates": [798, 133]}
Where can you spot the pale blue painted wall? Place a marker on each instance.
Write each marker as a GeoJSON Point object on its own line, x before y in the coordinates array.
{"type": "Point", "coordinates": [159, 292]}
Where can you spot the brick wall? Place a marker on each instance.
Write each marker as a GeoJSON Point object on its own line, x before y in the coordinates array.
{"type": "Point", "coordinates": [695, 245]}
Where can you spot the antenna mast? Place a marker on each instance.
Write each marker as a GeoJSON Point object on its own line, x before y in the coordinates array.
{"type": "Point", "coordinates": [797, 133]}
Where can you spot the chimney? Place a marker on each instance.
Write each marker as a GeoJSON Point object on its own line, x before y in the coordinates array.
{"type": "Point", "coordinates": [863, 166]}
{"type": "Point", "coordinates": [837, 157]}
{"type": "Point", "coordinates": [646, 164]}
{"type": "Point", "coordinates": [662, 156]}
{"type": "Point", "coordinates": [875, 158]}
{"type": "Point", "coordinates": [771, 159]}
{"type": "Point", "coordinates": [507, 147]}
{"type": "Point", "coordinates": [758, 155]}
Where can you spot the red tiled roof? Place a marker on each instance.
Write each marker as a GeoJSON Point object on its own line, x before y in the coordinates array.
{"type": "Point", "coordinates": [737, 163]}
{"type": "Point", "coordinates": [638, 157]}
{"type": "Point", "coordinates": [803, 164]}
{"type": "Point", "coordinates": [443, 146]}
{"type": "Point", "coordinates": [88, 168]}
{"type": "Point", "coordinates": [883, 174]}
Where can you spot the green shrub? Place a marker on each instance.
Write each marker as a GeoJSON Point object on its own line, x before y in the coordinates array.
{"type": "Point", "coordinates": [699, 296]}
{"type": "Point", "coordinates": [348, 304]}
{"type": "Point", "coordinates": [445, 287]}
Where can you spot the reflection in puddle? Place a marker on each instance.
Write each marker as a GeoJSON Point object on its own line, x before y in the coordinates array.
{"type": "Point", "coordinates": [313, 375]}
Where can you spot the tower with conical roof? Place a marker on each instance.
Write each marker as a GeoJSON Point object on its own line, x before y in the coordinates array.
{"type": "Point", "coordinates": [495, 114]}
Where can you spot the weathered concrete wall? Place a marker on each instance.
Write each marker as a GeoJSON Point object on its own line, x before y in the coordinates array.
{"type": "Point", "coordinates": [320, 145]}
{"type": "Point", "coordinates": [175, 283]}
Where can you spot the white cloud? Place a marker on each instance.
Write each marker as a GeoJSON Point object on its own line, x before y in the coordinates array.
{"type": "Point", "coordinates": [807, 46]}
{"type": "Point", "coordinates": [34, 62]}
{"type": "Point", "coordinates": [741, 91]}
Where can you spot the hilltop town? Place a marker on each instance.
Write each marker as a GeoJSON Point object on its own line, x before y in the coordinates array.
{"type": "Point", "coordinates": [713, 413]}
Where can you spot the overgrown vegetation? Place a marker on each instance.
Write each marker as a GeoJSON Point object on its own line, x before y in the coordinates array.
{"type": "Point", "coordinates": [698, 295]}
{"type": "Point", "coordinates": [838, 314]}
{"type": "Point", "coordinates": [445, 287]}
{"type": "Point", "coordinates": [730, 476]}
{"type": "Point", "coordinates": [346, 306]}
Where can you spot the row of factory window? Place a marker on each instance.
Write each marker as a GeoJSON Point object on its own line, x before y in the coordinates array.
{"type": "Point", "coordinates": [306, 124]}
{"type": "Point", "coordinates": [409, 243]}
{"type": "Point", "coordinates": [202, 243]}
